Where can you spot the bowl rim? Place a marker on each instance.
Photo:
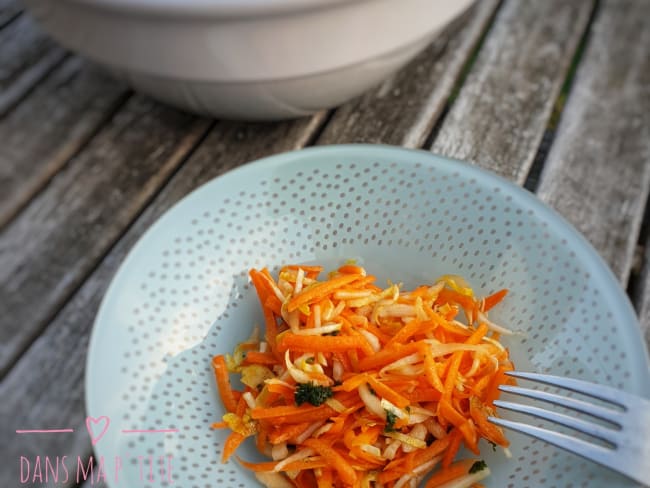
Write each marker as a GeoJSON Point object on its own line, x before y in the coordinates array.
{"type": "Point", "coordinates": [212, 8]}
{"type": "Point", "coordinates": [597, 265]}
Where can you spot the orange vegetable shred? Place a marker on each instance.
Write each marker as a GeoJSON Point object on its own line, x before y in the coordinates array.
{"type": "Point", "coordinates": [354, 385]}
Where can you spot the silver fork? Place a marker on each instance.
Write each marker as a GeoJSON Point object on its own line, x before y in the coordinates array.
{"type": "Point", "coordinates": [629, 436]}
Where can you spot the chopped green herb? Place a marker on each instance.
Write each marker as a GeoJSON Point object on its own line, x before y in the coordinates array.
{"type": "Point", "coordinates": [390, 421]}
{"type": "Point", "coordinates": [312, 393]}
{"type": "Point", "coordinates": [310, 360]}
{"type": "Point", "coordinates": [494, 446]}
{"type": "Point", "coordinates": [477, 466]}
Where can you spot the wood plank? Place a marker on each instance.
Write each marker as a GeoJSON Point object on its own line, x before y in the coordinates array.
{"type": "Point", "coordinates": [48, 250]}
{"type": "Point", "coordinates": [403, 110]}
{"type": "Point", "coordinates": [31, 393]}
{"type": "Point", "coordinates": [598, 170]}
{"type": "Point", "coordinates": [77, 99]}
{"type": "Point", "coordinates": [499, 117]}
{"type": "Point", "coordinates": [9, 10]}
{"type": "Point", "coordinates": [27, 55]}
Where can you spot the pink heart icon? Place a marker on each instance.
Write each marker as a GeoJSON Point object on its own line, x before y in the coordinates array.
{"type": "Point", "coordinates": [103, 422]}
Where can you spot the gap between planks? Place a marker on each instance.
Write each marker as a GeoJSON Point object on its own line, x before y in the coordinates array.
{"type": "Point", "coordinates": [498, 118]}
{"type": "Point", "coordinates": [79, 100]}
{"type": "Point", "coordinates": [48, 250]}
{"type": "Point", "coordinates": [27, 56]}
{"type": "Point", "coordinates": [597, 174]}
{"type": "Point", "coordinates": [532, 179]}
{"type": "Point", "coordinates": [9, 12]}
{"type": "Point", "coordinates": [404, 108]}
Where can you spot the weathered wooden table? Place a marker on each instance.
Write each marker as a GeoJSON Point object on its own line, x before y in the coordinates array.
{"type": "Point", "coordinates": [553, 95]}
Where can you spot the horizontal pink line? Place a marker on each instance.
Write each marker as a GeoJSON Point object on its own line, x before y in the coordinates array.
{"type": "Point", "coordinates": [49, 431]}
{"type": "Point", "coordinates": [148, 431]}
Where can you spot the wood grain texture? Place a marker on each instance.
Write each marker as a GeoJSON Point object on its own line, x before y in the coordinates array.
{"type": "Point", "coordinates": [27, 55]}
{"type": "Point", "coordinates": [403, 110]}
{"type": "Point", "coordinates": [76, 99]}
{"type": "Point", "coordinates": [9, 10]}
{"type": "Point", "coordinates": [48, 250]}
{"type": "Point", "coordinates": [31, 392]}
{"type": "Point", "coordinates": [598, 170]}
{"type": "Point", "coordinates": [499, 117]}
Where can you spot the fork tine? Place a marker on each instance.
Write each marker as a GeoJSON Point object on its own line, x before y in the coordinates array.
{"type": "Point", "coordinates": [574, 423]}
{"type": "Point", "coordinates": [597, 411]}
{"type": "Point", "coordinates": [582, 448]}
{"type": "Point", "coordinates": [601, 392]}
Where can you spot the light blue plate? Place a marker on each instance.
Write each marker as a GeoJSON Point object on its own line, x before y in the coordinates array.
{"type": "Point", "coordinates": [182, 296]}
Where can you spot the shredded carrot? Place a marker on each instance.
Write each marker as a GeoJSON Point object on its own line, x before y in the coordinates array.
{"type": "Point", "coordinates": [223, 383]}
{"type": "Point", "coordinates": [338, 462]}
{"type": "Point", "coordinates": [455, 440]}
{"type": "Point", "coordinates": [256, 357]}
{"type": "Point", "coordinates": [452, 472]}
{"type": "Point", "coordinates": [307, 343]}
{"type": "Point", "coordinates": [495, 298]}
{"type": "Point", "coordinates": [230, 446]}
{"type": "Point", "coordinates": [371, 386]}
{"type": "Point", "coordinates": [320, 291]}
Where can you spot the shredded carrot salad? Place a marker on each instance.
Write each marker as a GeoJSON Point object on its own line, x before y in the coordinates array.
{"type": "Point", "coordinates": [355, 385]}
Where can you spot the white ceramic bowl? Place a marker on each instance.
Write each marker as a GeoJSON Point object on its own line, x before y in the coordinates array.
{"type": "Point", "coordinates": [252, 59]}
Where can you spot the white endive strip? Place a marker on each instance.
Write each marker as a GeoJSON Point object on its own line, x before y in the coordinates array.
{"type": "Point", "coordinates": [293, 319]}
{"type": "Point", "coordinates": [337, 310]}
{"type": "Point", "coordinates": [391, 449]}
{"type": "Point", "coordinates": [306, 434]}
{"type": "Point", "coordinates": [407, 439]}
{"type": "Point", "coordinates": [296, 456]}
{"type": "Point", "coordinates": [424, 467]}
{"type": "Point", "coordinates": [372, 339]}
{"type": "Point", "coordinates": [279, 451]}
{"type": "Point", "coordinates": [397, 310]}
{"type": "Point", "coordinates": [394, 409]}
{"type": "Point", "coordinates": [334, 404]}
{"type": "Point", "coordinates": [322, 430]}
{"type": "Point", "coordinates": [300, 276]}
{"type": "Point", "coordinates": [337, 370]}
{"type": "Point", "coordinates": [435, 428]}
{"type": "Point", "coordinates": [351, 294]}
{"type": "Point", "coordinates": [494, 343]}
{"type": "Point", "coordinates": [324, 329]}
{"type": "Point", "coordinates": [492, 326]}
{"type": "Point", "coordinates": [405, 361]}
{"type": "Point", "coordinates": [438, 349]}
{"type": "Point", "coordinates": [373, 404]}
{"type": "Point", "coordinates": [297, 374]}
{"type": "Point", "coordinates": [250, 401]}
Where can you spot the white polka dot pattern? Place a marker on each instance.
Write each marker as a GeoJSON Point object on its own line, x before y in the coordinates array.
{"type": "Point", "coordinates": [183, 294]}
